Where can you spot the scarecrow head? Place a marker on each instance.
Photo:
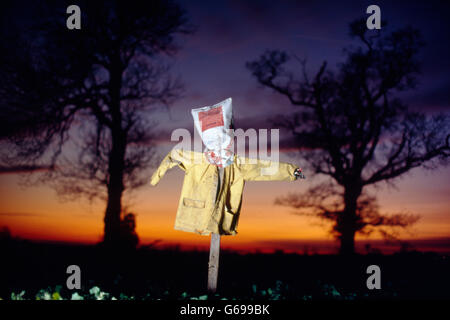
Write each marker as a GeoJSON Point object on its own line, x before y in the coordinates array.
{"type": "Point", "coordinates": [215, 127]}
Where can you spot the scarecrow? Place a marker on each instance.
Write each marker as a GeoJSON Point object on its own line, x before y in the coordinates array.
{"type": "Point", "coordinates": [211, 196]}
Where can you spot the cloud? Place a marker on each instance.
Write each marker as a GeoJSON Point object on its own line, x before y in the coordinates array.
{"type": "Point", "coordinates": [431, 99]}
{"type": "Point", "coordinates": [23, 168]}
{"type": "Point", "coordinates": [21, 214]}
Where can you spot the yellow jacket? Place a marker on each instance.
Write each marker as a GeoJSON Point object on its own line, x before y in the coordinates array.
{"type": "Point", "coordinates": [209, 204]}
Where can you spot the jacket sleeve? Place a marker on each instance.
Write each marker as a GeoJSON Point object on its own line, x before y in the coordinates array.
{"type": "Point", "coordinates": [172, 159]}
{"type": "Point", "coordinates": [266, 170]}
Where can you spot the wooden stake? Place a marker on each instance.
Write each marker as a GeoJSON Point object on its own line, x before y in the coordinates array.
{"type": "Point", "coordinates": [214, 247]}
{"type": "Point", "coordinates": [213, 265]}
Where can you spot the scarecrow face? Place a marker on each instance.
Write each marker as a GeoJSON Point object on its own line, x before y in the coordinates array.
{"type": "Point", "coordinates": [213, 123]}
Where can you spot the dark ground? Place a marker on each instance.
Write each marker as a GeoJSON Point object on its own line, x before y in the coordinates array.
{"type": "Point", "coordinates": [167, 274]}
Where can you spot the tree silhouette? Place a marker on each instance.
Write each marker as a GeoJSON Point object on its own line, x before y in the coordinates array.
{"type": "Point", "coordinates": [353, 129]}
{"type": "Point", "coordinates": [128, 237]}
{"type": "Point", "coordinates": [103, 81]}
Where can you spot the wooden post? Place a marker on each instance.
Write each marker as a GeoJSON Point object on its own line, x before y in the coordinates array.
{"type": "Point", "coordinates": [213, 265]}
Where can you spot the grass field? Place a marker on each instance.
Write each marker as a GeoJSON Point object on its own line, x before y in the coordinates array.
{"type": "Point", "coordinates": [32, 270]}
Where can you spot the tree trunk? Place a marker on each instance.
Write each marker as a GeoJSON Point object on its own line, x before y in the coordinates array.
{"type": "Point", "coordinates": [347, 223]}
{"type": "Point", "coordinates": [347, 239]}
{"type": "Point", "coordinates": [116, 159]}
{"type": "Point", "coordinates": [115, 190]}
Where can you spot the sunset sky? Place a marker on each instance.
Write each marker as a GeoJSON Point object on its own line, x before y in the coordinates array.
{"type": "Point", "coordinates": [211, 64]}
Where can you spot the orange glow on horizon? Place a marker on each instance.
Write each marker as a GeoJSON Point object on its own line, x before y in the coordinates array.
{"type": "Point", "coordinates": [262, 225]}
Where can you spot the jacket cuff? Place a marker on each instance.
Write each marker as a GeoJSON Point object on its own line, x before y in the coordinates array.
{"type": "Point", "coordinates": [293, 168]}
{"type": "Point", "coordinates": [154, 180]}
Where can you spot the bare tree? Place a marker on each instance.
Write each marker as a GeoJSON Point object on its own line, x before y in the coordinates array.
{"type": "Point", "coordinates": [103, 81]}
{"type": "Point", "coordinates": [353, 129]}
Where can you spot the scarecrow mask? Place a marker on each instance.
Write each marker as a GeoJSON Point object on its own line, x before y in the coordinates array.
{"type": "Point", "coordinates": [214, 125]}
